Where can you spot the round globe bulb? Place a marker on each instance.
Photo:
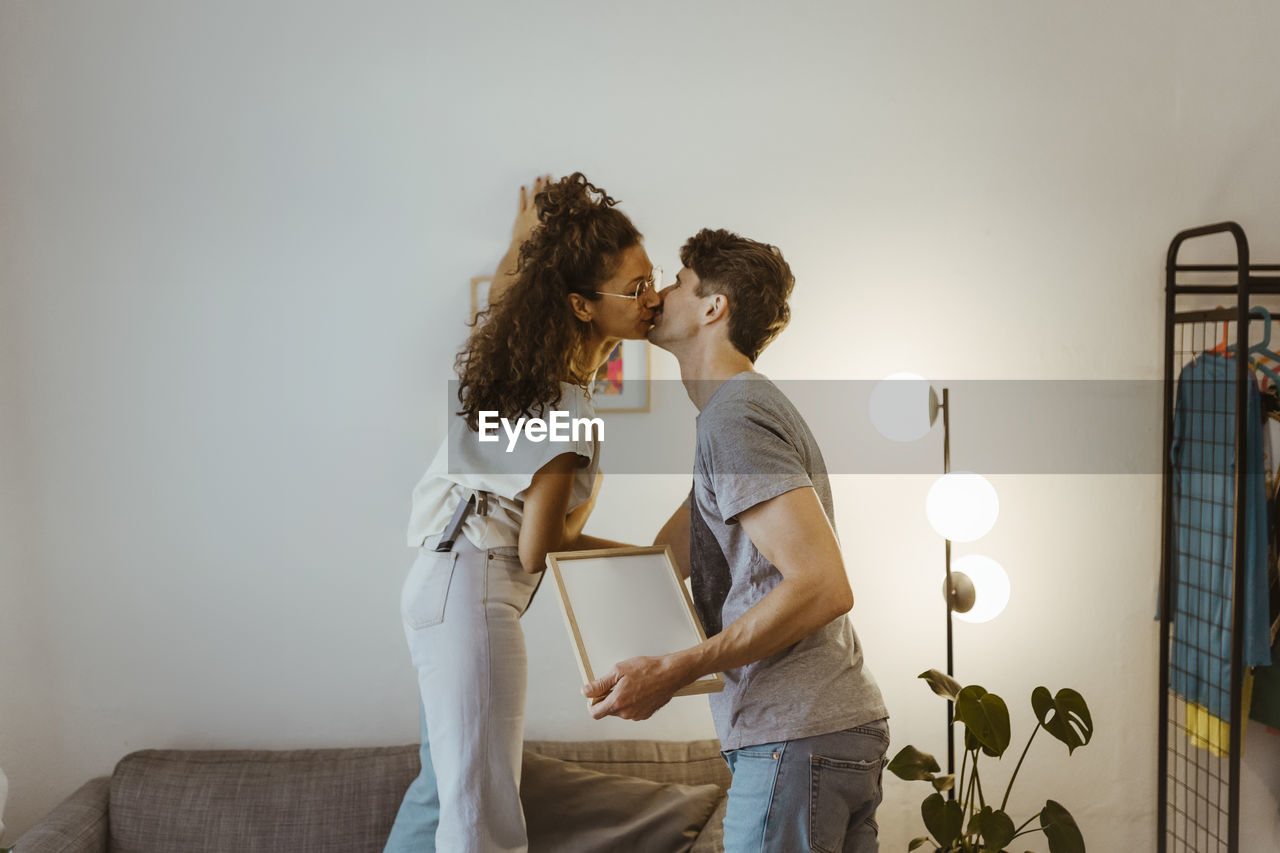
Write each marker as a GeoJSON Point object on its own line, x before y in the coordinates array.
{"type": "Point", "coordinates": [900, 408]}
{"type": "Point", "coordinates": [962, 506]}
{"type": "Point", "coordinates": [991, 587]}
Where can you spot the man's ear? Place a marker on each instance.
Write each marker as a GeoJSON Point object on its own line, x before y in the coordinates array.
{"type": "Point", "coordinates": [717, 307]}
{"type": "Point", "coordinates": [580, 306]}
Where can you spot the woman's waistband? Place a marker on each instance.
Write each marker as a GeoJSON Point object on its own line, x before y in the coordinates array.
{"type": "Point", "coordinates": [463, 544]}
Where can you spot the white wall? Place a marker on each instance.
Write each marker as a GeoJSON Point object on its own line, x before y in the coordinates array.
{"type": "Point", "coordinates": [234, 259]}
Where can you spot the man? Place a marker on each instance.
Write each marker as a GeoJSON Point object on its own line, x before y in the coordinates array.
{"type": "Point", "coordinates": [801, 721]}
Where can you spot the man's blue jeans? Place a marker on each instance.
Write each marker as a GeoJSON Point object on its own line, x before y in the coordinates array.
{"type": "Point", "coordinates": [816, 793]}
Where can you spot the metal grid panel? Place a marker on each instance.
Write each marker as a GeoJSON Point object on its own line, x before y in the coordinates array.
{"type": "Point", "coordinates": [1201, 651]}
{"type": "Point", "coordinates": [1198, 776]}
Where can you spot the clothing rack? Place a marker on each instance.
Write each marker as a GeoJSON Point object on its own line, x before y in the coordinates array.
{"type": "Point", "coordinates": [1199, 786]}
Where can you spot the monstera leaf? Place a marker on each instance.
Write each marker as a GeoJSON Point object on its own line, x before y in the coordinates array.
{"type": "Point", "coordinates": [986, 717]}
{"type": "Point", "coordinates": [971, 743]}
{"type": "Point", "coordinates": [995, 827]}
{"type": "Point", "coordinates": [986, 729]}
{"type": "Point", "coordinates": [913, 765]}
{"type": "Point", "coordinates": [1061, 830]}
{"type": "Point", "coordinates": [941, 683]}
{"type": "Point", "coordinates": [1064, 715]}
{"type": "Point", "coordinates": [943, 818]}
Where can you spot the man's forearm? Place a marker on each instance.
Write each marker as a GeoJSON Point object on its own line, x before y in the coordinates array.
{"type": "Point", "coordinates": [634, 689]}
{"type": "Point", "coordinates": [789, 613]}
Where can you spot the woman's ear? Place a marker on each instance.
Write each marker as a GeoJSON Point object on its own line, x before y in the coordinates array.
{"type": "Point", "coordinates": [580, 306]}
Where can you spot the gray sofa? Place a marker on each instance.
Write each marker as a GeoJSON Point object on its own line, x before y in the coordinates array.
{"type": "Point", "coordinates": [658, 796]}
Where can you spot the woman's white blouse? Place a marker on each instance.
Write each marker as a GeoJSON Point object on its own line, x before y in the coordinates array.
{"type": "Point", "coordinates": [464, 464]}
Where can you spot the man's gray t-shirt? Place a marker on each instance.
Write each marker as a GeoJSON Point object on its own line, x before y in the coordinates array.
{"type": "Point", "coordinates": [752, 446]}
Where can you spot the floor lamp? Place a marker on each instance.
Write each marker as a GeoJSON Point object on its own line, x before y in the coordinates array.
{"type": "Point", "coordinates": [961, 507]}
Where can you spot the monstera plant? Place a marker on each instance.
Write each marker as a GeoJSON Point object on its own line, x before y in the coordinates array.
{"type": "Point", "coordinates": [970, 823]}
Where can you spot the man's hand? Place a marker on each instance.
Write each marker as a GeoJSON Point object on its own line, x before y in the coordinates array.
{"type": "Point", "coordinates": [635, 689]}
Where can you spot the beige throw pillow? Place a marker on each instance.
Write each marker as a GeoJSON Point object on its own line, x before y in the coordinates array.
{"type": "Point", "coordinates": [569, 808]}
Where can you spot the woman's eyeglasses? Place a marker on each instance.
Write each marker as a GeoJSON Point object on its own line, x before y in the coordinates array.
{"type": "Point", "coordinates": [652, 283]}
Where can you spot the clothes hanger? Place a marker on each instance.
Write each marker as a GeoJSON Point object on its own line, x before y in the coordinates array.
{"type": "Point", "coordinates": [1222, 349]}
{"type": "Point", "coordinates": [1225, 349]}
{"type": "Point", "coordinates": [1260, 349]}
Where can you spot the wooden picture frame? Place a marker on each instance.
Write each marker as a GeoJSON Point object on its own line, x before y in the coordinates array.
{"type": "Point", "coordinates": [480, 294]}
{"type": "Point", "coordinates": [620, 603]}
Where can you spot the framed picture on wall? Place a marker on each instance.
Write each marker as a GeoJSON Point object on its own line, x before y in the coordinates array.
{"type": "Point", "coordinates": [622, 382]}
{"type": "Point", "coordinates": [620, 603]}
{"type": "Point", "coordinates": [480, 294]}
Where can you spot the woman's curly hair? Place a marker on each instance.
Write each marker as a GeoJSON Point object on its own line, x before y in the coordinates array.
{"type": "Point", "coordinates": [524, 345]}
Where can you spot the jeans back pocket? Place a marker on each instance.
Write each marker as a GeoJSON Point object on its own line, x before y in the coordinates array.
{"type": "Point", "coordinates": [426, 590]}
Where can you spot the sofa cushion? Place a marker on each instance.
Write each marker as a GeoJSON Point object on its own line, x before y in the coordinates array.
{"type": "Point", "coordinates": [694, 762]}
{"type": "Point", "coordinates": [571, 808]}
{"type": "Point", "coordinates": [331, 800]}
{"type": "Point", "coordinates": [314, 800]}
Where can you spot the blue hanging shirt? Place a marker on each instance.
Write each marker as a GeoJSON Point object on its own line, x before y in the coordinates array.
{"type": "Point", "coordinates": [1204, 492]}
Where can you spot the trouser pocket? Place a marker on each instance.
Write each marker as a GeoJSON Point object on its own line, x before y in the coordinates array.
{"type": "Point", "coordinates": [846, 770]}
{"type": "Point", "coordinates": [426, 590]}
{"type": "Point", "coordinates": [843, 794]}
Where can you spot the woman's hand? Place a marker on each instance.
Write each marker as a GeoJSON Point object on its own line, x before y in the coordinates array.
{"type": "Point", "coordinates": [527, 212]}
{"type": "Point", "coordinates": [526, 221]}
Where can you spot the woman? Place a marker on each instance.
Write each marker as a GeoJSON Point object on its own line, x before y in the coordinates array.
{"type": "Point", "coordinates": [582, 283]}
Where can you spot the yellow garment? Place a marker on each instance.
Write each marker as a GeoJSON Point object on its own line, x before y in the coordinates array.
{"type": "Point", "coordinates": [1213, 733]}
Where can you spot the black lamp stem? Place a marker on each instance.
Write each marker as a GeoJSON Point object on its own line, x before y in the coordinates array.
{"type": "Point", "coordinates": [946, 469]}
